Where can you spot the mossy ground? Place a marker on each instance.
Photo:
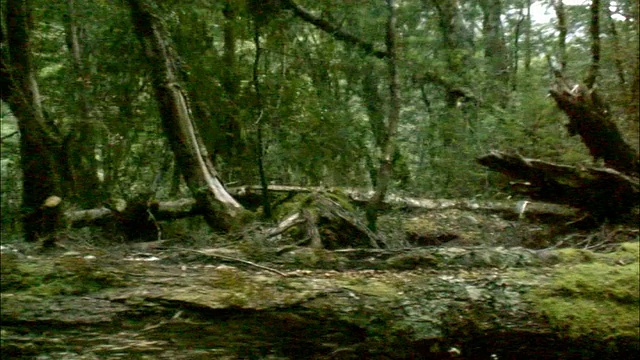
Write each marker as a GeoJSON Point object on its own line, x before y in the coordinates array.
{"type": "Point", "coordinates": [593, 295]}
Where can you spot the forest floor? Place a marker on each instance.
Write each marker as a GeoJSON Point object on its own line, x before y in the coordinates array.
{"type": "Point", "coordinates": [451, 284]}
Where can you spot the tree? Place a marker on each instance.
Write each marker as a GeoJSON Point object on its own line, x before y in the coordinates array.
{"type": "Point", "coordinates": [222, 210]}
{"type": "Point", "coordinates": [46, 175]}
{"type": "Point", "coordinates": [495, 50]}
{"type": "Point", "coordinates": [594, 31]}
{"type": "Point", "coordinates": [81, 142]}
{"type": "Point", "coordinates": [561, 17]}
{"type": "Point", "coordinates": [388, 138]}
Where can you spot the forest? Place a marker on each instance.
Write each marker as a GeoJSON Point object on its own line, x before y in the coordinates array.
{"type": "Point", "coordinates": [296, 179]}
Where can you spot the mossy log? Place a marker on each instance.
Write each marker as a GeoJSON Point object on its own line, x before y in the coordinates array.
{"type": "Point", "coordinates": [430, 303]}
{"type": "Point", "coordinates": [325, 220]}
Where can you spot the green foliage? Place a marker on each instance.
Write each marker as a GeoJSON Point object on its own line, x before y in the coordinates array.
{"type": "Point", "coordinates": [321, 122]}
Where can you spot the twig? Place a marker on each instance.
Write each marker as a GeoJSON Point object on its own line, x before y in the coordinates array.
{"type": "Point", "coordinates": [228, 258]}
{"type": "Point", "coordinates": [9, 135]}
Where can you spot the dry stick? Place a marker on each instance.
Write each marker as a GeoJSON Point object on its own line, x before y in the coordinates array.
{"type": "Point", "coordinates": [237, 260]}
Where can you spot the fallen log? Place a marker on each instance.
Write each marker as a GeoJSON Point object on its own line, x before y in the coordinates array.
{"type": "Point", "coordinates": [327, 221]}
{"type": "Point", "coordinates": [604, 193]}
{"type": "Point", "coordinates": [135, 214]}
{"type": "Point", "coordinates": [430, 303]}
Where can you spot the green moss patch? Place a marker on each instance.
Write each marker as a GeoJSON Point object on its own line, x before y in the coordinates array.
{"type": "Point", "coordinates": [593, 295]}
{"type": "Point", "coordinates": [67, 275]}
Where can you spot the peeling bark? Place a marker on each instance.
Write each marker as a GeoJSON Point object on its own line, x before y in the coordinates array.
{"type": "Point", "coordinates": [222, 210]}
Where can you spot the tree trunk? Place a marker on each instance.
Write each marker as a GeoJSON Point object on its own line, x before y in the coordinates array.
{"type": "Point", "coordinates": [457, 40]}
{"type": "Point", "coordinates": [81, 142]}
{"type": "Point", "coordinates": [266, 205]}
{"type": "Point", "coordinates": [562, 33]}
{"type": "Point", "coordinates": [388, 144]}
{"type": "Point", "coordinates": [495, 52]}
{"type": "Point", "coordinates": [615, 39]}
{"type": "Point", "coordinates": [42, 155]}
{"type": "Point", "coordinates": [603, 193]}
{"type": "Point", "coordinates": [516, 49]}
{"type": "Point", "coordinates": [222, 210]}
{"type": "Point", "coordinates": [527, 39]}
{"type": "Point", "coordinates": [590, 117]}
{"type": "Point", "coordinates": [594, 30]}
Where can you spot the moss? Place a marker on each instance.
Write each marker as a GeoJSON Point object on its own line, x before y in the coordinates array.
{"type": "Point", "coordinates": [575, 256]}
{"type": "Point", "coordinates": [599, 297]}
{"type": "Point", "coordinates": [68, 275]}
{"type": "Point", "coordinates": [372, 287]}
{"type": "Point", "coordinates": [292, 206]}
{"type": "Point", "coordinates": [341, 198]}
{"type": "Point", "coordinates": [243, 218]}
{"type": "Point", "coordinates": [412, 260]}
{"type": "Point", "coordinates": [315, 258]}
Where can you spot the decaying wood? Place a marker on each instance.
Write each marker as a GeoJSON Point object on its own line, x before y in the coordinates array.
{"type": "Point", "coordinates": [606, 193]}
{"type": "Point", "coordinates": [590, 117]}
{"type": "Point", "coordinates": [324, 223]}
{"type": "Point", "coordinates": [233, 259]}
{"type": "Point", "coordinates": [185, 208]}
{"type": "Point", "coordinates": [603, 192]}
{"type": "Point", "coordinates": [476, 303]}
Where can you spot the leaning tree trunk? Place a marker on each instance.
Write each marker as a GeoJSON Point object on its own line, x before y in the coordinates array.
{"type": "Point", "coordinates": [222, 210]}
{"type": "Point", "coordinates": [42, 155]}
{"type": "Point", "coordinates": [590, 117]}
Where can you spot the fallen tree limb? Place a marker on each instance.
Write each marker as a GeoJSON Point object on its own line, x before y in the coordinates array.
{"type": "Point", "coordinates": [480, 303]}
{"type": "Point", "coordinates": [185, 208]}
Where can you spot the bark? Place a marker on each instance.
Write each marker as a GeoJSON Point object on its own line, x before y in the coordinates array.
{"type": "Point", "coordinates": [603, 193]}
{"type": "Point", "coordinates": [231, 143]}
{"type": "Point", "coordinates": [456, 38]}
{"type": "Point", "coordinates": [222, 210]}
{"type": "Point", "coordinates": [615, 39]}
{"type": "Point", "coordinates": [385, 171]}
{"type": "Point", "coordinates": [594, 31]}
{"type": "Point", "coordinates": [43, 162]}
{"type": "Point", "coordinates": [589, 117]}
{"type": "Point", "coordinates": [495, 50]}
{"type": "Point", "coordinates": [375, 105]}
{"type": "Point", "coordinates": [527, 39]}
{"type": "Point", "coordinates": [429, 303]}
{"type": "Point", "coordinates": [516, 49]}
{"type": "Point", "coordinates": [250, 196]}
{"type": "Point", "coordinates": [562, 33]}
{"type": "Point", "coordinates": [5, 80]}
{"type": "Point", "coordinates": [322, 222]}
{"type": "Point", "coordinates": [266, 205]}
{"type": "Point", "coordinates": [457, 48]}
